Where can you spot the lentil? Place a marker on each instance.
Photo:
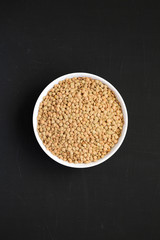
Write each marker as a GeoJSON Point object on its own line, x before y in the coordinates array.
{"type": "Point", "coordinates": [80, 120]}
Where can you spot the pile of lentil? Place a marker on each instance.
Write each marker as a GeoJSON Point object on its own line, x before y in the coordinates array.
{"type": "Point", "coordinates": [80, 120]}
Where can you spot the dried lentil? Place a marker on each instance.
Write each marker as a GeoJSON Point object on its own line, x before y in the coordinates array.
{"type": "Point", "coordinates": [80, 120]}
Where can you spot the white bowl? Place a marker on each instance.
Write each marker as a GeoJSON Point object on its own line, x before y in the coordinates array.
{"type": "Point", "coordinates": [113, 150]}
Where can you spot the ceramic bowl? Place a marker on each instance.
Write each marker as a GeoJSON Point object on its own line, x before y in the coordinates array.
{"type": "Point", "coordinates": [113, 150]}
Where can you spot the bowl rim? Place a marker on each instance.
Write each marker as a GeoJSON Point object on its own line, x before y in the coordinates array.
{"type": "Point", "coordinates": [118, 96]}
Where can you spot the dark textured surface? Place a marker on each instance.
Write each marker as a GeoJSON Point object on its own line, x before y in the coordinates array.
{"type": "Point", "coordinates": [39, 199]}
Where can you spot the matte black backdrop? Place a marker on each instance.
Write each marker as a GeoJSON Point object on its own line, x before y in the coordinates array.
{"type": "Point", "coordinates": [40, 199]}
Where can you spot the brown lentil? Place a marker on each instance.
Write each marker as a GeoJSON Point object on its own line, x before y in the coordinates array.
{"type": "Point", "coordinates": [80, 120]}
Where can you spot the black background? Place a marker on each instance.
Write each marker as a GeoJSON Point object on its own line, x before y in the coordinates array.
{"type": "Point", "coordinates": [40, 199]}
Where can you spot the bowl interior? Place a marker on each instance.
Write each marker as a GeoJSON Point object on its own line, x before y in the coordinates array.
{"type": "Point", "coordinates": [113, 150]}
